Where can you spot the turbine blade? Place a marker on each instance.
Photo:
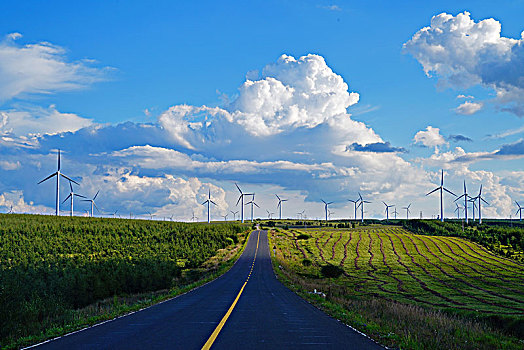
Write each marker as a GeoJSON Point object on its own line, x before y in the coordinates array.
{"type": "Point", "coordinates": [96, 194]}
{"type": "Point", "coordinates": [239, 198]}
{"type": "Point", "coordinates": [64, 176]}
{"type": "Point", "coordinates": [436, 189]}
{"type": "Point", "coordinates": [448, 191]}
{"type": "Point", "coordinates": [66, 198]}
{"type": "Point", "coordinates": [456, 199]}
{"type": "Point", "coordinates": [256, 204]}
{"type": "Point", "coordinates": [47, 178]}
{"type": "Point", "coordinates": [277, 196]}
{"type": "Point", "coordinates": [213, 202]}
{"type": "Point", "coordinates": [238, 188]}
{"type": "Point", "coordinates": [59, 160]}
{"type": "Point", "coordinates": [79, 195]}
{"type": "Point", "coordinates": [71, 186]}
{"type": "Point", "coordinates": [482, 199]}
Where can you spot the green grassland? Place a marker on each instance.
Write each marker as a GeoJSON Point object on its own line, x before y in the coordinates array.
{"type": "Point", "coordinates": [480, 294]}
{"type": "Point", "coordinates": [55, 270]}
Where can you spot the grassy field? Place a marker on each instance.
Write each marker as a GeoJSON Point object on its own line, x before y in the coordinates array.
{"type": "Point", "coordinates": [395, 269]}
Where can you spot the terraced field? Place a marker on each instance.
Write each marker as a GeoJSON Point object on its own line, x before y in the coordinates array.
{"type": "Point", "coordinates": [390, 263]}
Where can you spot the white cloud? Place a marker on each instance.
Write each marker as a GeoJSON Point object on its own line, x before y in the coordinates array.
{"type": "Point", "coordinates": [291, 94]}
{"type": "Point", "coordinates": [13, 201]}
{"type": "Point", "coordinates": [7, 165]}
{"type": "Point", "coordinates": [39, 121]}
{"type": "Point", "coordinates": [469, 97]}
{"type": "Point", "coordinates": [430, 137]}
{"type": "Point", "coordinates": [464, 53]}
{"type": "Point", "coordinates": [469, 108]}
{"type": "Point", "coordinates": [41, 68]}
{"type": "Point", "coordinates": [507, 133]}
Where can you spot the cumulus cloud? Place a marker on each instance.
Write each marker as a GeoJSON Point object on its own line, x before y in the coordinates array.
{"type": "Point", "coordinates": [41, 68]}
{"type": "Point", "coordinates": [464, 53]}
{"type": "Point", "coordinates": [292, 93]}
{"type": "Point", "coordinates": [430, 137]}
{"type": "Point", "coordinates": [469, 108]}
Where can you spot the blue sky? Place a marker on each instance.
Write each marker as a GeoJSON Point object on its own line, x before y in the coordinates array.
{"type": "Point", "coordinates": [119, 68]}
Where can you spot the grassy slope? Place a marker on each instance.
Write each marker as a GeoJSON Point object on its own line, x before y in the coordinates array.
{"type": "Point", "coordinates": [447, 288]}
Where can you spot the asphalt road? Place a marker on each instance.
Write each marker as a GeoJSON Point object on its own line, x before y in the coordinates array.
{"type": "Point", "coordinates": [266, 315]}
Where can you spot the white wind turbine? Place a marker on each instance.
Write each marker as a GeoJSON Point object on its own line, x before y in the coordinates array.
{"type": "Point", "coordinates": [72, 195]}
{"type": "Point", "coordinates": [479, 207]}
{"type": "Point", "coordinates": [279, 206]}
{"type": "Point", "coordinates": [395, 212]}
{"type": "Point", "coordinates": [407, 211]}
{"type": "Point", "coordinates": [58, 174]}
{"type": "Point", "coordinates": [356, 202]}
{"type": "Point", "coordinates": [457, 210]}
{"type": "Point", "coordinates": [269, 214]}
{"type": "Point", "coordinates": [465, 195]}
{"type": "Point", "coordinates": [362, 201]}
{"type": "Point", "coordinates": [252, 202]}
{"type": "Point", "coordinates": [93, 204]}
{"type": "Point", "coordinates": [209, 202]}
{"type": "Point", "coordinates": [387, 209]}
{"type": "Point", "coordinates": [150, 215]}
{"type": "Point", "coordinates": [234, 214]}
{"type": "Point", "coordinates": [241, 199]}
{"type": "Point", "coordinates": [441, 188]}
{"type": "Point", "coordinates": [225, 217]}
{"type": "Point", "coordinates": [326, 204]}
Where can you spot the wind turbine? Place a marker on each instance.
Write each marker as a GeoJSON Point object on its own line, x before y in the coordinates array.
{"type": "Point", "coordinates": [150, 215]}
{"type": "Point", "coordinates": [479, 207]}
{"type": "Point", "coordinates": [114, 214]}
{"type": "Point", "coordinates": [279, 206]}
{"type": "Point", "coordinates": [465, 195]}
{"type": "Point", "coordinates": [362, 206]}
{"type": "Point", "coordinates": [241, 199]}
{"type": "Point", "coordinates": [252, 202]}
{"type": "Point", "coordinates": [473, 206]}
{"type": "Point", "coordinates": [356, 205]}
{"type": "Point", "coordinates": [72, 194]}
{"type": "Point", "coordinates": [58, 174]}
{"type": "Point", "coordinates": [441, 188]}
{"type": "Point", "coordinates": [93, 204]}
{"type": "Point", "coordinates": [234, 214]}
{"type": "Point", "coordinates": [457, 210]}
{"type": "Point", "coordinates": [329, 213]}
{"type": "Point", "coordinates": [193, 218]}
{"type": "Point", "coordinates": [519, 210]}
{"type": "Point", "coordinates": [407, 211]}
{"type": "Point", "coordinates": [326, 204]}
{"type": "Point", "coordinates": [209, 202]}
{"type": "Point", "coordinates": [269, 214]}
{"type": "Point", "coordinates": [387, 210]}
{"type": "Point", "coordinates": [395, 212]}
{"type": "Point", "coordinates": [225, 217]}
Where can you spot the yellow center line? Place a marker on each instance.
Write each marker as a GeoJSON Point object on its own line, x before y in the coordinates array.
{"type": "Point", "coordinates": [217, 330]}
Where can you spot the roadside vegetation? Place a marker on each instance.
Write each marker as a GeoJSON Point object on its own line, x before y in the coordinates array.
{"type": "Point", "coordinates": [58, 274]}
{"type": "Point", "coordinates": [407, 290]}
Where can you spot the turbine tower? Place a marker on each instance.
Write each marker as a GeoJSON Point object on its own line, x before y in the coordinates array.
{"type": "Point", "coordinates": [356, 202]}
{"type": "Point", "coordinates": [279, 205]}
{"type": "Point", "coordinates": [387, 210]}
{"type": "Point", "coordinates": [252, 202]}
{"type": "Point", "coordinates": [326, 204]}
{"type": "Point", "coordinates": [407, 211]}
{"type": "Point", "coordinates": [519, 210]}
{"type": "Point", "coordinates": [362, 201]}
{"type": "Point", "coordinates": [72, 194]}
{"type": "Point", "coordinates": [465, 195]}
{"type": "Point", "coordinates": [241, 199]}
{"type": "Point", "coordinates": [209, 202]}
{"type": "Point", "coordinates": [58, 174]}
{"type": "Point", "coordinates": [93, 204]}
{"type": "Point", "coordinates": [441, 188]}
